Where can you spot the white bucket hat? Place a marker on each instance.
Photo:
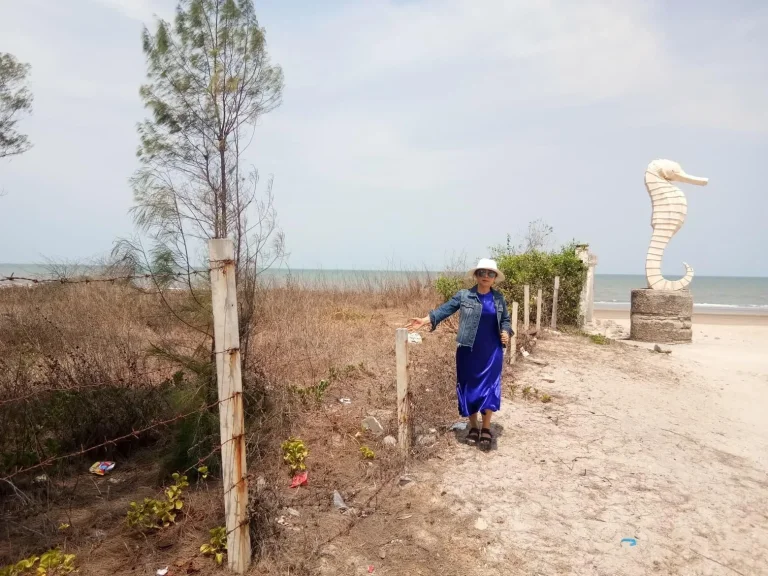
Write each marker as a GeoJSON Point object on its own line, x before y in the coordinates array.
{"type": "Point", "coordinates": [487, 264]}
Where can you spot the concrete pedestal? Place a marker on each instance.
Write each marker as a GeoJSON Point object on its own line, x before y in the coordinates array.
{"type": "Point", "coordinates": [660, 316]}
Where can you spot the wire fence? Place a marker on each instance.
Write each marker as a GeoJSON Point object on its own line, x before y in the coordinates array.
{"type": "Point", "coordinates": [113, 441]}
{"type": "Point", "coordinates": [103, 280]}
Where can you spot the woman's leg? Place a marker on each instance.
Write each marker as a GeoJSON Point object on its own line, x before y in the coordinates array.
{"type": "Point", "coordinates": [486, 438]}
{"type": "Point", "coordinates": [473, 421]}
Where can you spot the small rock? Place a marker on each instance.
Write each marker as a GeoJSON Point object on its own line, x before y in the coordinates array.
{"type": "Point", "coordinates": [382, 554]}
{"type": "Point", "coordinates": [329, 550]}
{"type": "Point", "coordinates": [549, 380]}
{"type": "Point", "coordinates": [338, 501]}
{"type": "Point", "coordinates": [433, 430]}
{"type": "Point", "coordinates": [371, 424]}
{"type": "Point", "coordinates": [481, 524]}
{"type": "Point", "coordinates": [426, 440]}
{"type": "Point", "coordinates": [390, 441]}
{"type": "Point", "coordinates": [405, 480]}
{"type": "Point", "coordinates": [97, 534]}
{"type": "Point", "coordinates": [458, 426]}
{"type": "Point", "coordinates": [658, 349]}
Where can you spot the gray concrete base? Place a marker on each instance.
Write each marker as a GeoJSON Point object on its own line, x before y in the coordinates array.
{"type": "Point", "coordinates": [660, 316]}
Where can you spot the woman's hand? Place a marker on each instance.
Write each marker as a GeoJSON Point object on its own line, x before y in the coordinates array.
{"type": "Point", "coordinates": [505, 338]}
{"type": "Point", "coordinates": [417, 323]}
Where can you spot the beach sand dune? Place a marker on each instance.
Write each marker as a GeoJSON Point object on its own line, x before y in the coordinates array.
{"type": "Point", "coordinates": [671, 450]}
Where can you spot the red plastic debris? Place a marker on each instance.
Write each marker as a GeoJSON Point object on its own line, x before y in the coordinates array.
{"type": "Point", "coordinates": [370, 569]}
{"type": "Point", "coordinates": [301, 479]}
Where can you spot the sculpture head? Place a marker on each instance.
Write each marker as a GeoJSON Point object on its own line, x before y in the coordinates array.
{"type": "Point", "coordinates": [672, 171]}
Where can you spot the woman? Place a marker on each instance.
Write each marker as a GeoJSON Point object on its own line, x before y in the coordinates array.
{"type": "Point", "coordinates": [484, 329]}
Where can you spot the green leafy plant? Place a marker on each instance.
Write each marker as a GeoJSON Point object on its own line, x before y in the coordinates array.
{"type": "Point", "coordinates": [315, 392]}
{"type": "Point", "coordinates": [154, 514]}
{"type": "Point", "coordinates": [526, 392]}
{"type": "Point", "coordinates": [599, 339]}
{"type": "Point", "coordinates": [217, 545]}
{"type": "Point", "coordinates": [367, 453]}
{"type": "Point", "coordinates": [447, 286]}
{"type": "Point", "coordinates": [55, 562]}
{"type": "Point", "coordinates": [546, 398]}
{"type": "Point", "coordinates": [52, 563]}
{"type": "Point", "coordinates": [20, 567]}
{"type": "Point", "coordinates": [295, 453]}
{"type": "Point", "coordinates": [535, 264]}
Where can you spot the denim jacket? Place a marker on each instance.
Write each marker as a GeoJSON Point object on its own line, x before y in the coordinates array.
{"type": "Point", "coordinates": [469, 319]}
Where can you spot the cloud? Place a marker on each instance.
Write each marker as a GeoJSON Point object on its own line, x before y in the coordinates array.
{"type": "Point", "coordinates": [497, 54]}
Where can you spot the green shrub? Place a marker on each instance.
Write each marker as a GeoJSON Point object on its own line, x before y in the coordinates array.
{"type": "Point", "coordinates": [538, 269]}
{"type": "Point", "coordinates": [448, 285]}
{"type": "Point", "coordinates": [154, 514]}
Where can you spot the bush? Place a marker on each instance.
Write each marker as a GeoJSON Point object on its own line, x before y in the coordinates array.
{"type": "Point", "coordinates": [538, 269]}
{"type": "Point", "coordinates": [447, 286]}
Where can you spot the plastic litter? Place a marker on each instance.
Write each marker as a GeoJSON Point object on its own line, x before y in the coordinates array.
{"type": "Point", "coordinates": [525, 353]}
{"type": "Point", "coordinates": [345, 400]}
{"type": "Point", "coordinates": [371, 569]}
{"type": "Point", "coordinates": [458, 426]}
{"type": "Point", "coordinates": [629, 541]}
{"type": "Point", "coordinates": [301, 479]}
{"type": "Point", "coordinates": [162, 571]}
{"type": "Point", "coordinates": [101, 468]}
{"type": "Point", "coordinates": [338, 501]}
{"type": "Point", "coordinates": [414, 338]}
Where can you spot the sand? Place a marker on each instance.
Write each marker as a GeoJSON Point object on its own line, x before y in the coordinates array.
{"type": "Point", "coordinates": [671, 450]}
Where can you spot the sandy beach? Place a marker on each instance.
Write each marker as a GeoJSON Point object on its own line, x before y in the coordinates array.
{"type": "Point", "coordinates": [670, 450]}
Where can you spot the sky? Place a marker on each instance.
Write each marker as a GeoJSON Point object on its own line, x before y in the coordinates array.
{"type": "Point", "coordinates": [415, 131]}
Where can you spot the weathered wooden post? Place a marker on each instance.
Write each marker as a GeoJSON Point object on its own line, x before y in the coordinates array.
{"type": "Point", "coordinates": [230, 388]}
{"type": "Point", "coordinates": [403, 395]}
{"type": "Point", "coordinates": [538, 311]}
{"type": "Point", "coordinates": [526, 308]}
{"type": "Point", "coordinates": [512, 351]}
{"type": "Point", "coordinates": [555, 294]}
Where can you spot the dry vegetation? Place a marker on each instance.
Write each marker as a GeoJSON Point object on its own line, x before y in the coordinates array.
{"type": "Point", "coordinates": [81, 365]}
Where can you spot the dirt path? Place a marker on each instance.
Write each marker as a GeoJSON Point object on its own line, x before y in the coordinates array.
{"type": "Point", "coordinates": [633, 445]}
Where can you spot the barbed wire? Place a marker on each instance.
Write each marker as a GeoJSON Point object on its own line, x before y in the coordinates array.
{"type": "Point", "coordinates": [129, 379]}
{"type": "Point", "coordinates": [97, 280]}
{"type": "Point", "coordinates": [132, 434]}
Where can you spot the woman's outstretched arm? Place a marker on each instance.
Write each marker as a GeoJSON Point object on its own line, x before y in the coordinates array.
{"type": "Point", "coordinates": [438, 315]}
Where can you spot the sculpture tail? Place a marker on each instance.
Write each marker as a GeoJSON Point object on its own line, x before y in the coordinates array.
{"type": "Point", "coordinates": [659, 241]}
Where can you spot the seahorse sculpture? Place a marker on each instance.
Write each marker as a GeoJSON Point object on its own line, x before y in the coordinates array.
{"type": "Point", "coordinates": [669, 210]}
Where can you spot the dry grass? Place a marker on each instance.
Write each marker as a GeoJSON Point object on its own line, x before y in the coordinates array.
{"type": "Point", "coordinates": [92, 342]}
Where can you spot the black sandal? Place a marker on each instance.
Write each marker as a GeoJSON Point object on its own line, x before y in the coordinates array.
{"type": "Point", "coordinates": [486, 439]}
{"type": "Point", "coordinates": [473, 435]}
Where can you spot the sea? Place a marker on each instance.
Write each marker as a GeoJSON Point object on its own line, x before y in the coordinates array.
{"type": "Point", "coordinates": [612, 291]}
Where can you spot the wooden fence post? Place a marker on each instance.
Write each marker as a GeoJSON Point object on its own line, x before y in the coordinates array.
{"type": "Point", "coordinates": [553, 321]}
{"type": "Point", "coordinates": [512, 351]}
{"type": "Point", "coordinates": [526, 308]}
{"type": "Point", "coordinates": [403, 396]}
{"type": "Point", "coordinates": [538, 311]}
{"type": "Point", "coordinates": [230, 388]}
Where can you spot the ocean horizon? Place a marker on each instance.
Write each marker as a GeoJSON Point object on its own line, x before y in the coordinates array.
{"type": "Point", "coordinates": [612, 291]}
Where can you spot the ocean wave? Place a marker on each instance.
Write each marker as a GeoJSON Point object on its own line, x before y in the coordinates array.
{"type": "Point", "coordinates": [696, 304]}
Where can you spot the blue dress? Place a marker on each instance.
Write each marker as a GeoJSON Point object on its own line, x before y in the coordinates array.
{"type": "Point", "coordinates": [478, 369]}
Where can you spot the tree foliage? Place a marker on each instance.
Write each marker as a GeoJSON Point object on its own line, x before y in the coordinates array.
{"type": "Point", "coordinates": [209, 79]}
{"type": "Point", "coordinates": [15, 100]}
